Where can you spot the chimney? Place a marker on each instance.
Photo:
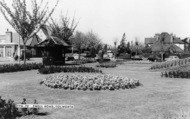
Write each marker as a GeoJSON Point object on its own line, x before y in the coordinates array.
{"type": "Point", "coordinates": [9, 36]}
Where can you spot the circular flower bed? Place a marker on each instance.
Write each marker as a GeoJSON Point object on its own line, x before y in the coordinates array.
{"type": "Point", "coordinates": [89, 82]}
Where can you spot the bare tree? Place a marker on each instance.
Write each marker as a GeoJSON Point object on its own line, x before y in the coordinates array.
{"type": "Point", "coordinates": [26, 23]}
{"type": "Point", "coordinates": [63, 29]}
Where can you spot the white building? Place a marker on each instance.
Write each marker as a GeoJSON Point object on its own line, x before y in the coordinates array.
{"type": "Point", "coordinates": [10, 42]}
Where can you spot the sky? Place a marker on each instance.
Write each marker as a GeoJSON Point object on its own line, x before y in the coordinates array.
{"type": "Point", "coordinates": [136, 18]}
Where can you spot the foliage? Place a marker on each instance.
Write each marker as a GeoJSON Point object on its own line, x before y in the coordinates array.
{"type": "Point", "coordinates": [63, 30]}
{"type": "Point", "coordinates": [122, 43]}
{"type": "Point", "coordinates": [94, 43]}
{"type": "Point", "coordinates": [92, 39]}
{"type": "Point", "coordinates": [147, 49]}
{"type": "Point", "coordinates": [26, 23]}
{"type": "Point", "coordinates": [136, 49]}
{"type": "Point", "coordinates": [124, 56]}
{"type": "Point", "coordinates": [79, 41]}
{"type": "Point", "coordinates": [89, 82]}
{"type": "Point", "coordinates": [169, 64]}
{"type": "Point", "coordinates": [57, 69]}
{"type": "Point", "coordinates": [122, 47]}
{"type": "Point", "coordinates": [110, 64]}
{"type": "Point", "coordinates": [19, 67]}
{"type": "Point", "coordinates": [120, 61]}
{"type": "Point", "coordinates": [84, 61]}
{"type": "Point", "coordinates": [9, 110]}
{"type": "Point", "coordinates": [176, 74]}
{"type": "Point", "coordinates": [86, 41]}
{"type": "Point", "coordinates": [139, 62]}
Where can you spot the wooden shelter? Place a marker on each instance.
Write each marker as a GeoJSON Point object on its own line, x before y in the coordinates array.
{"type": "Point", "coordinates": [53, 50]}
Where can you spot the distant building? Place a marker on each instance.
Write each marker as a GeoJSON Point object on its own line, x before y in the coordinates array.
{"type": "Point", "coordinates": [186, 44]}
{"type": "Point", "coordinates": [9, 44]}
{"type": "Point", "coordinates": [168, 39]}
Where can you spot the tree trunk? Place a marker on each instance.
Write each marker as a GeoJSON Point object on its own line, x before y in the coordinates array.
{"type": "Point", "coordinates": [80, 51]}
{"type": "Point", "coordinates": [162, 57]}
{"type": "Point", "coordinates": [79, 55]}
{"type": "Point", "coordinates": [24, 53]}
{"type": "Point", "coordinates": [115, 51]}
{"type": "Point", "coordinates": [64, 58]}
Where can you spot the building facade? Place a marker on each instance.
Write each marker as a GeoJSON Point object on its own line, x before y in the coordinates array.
{"type": "Point", "coordinates": [167, 39]}
{"type": "Point", "coordinates": [9, 44]}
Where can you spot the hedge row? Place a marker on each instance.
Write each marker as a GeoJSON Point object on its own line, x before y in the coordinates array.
{"type": "Point", "coordinates": [176, 74]}
{"type": "Point", "coordinates": [84, 61]}
{"type": "Point", "coordinates": [57, 69]}
{"type": "Point", "coordinates": [170, 64]}
{"type": "Point", "coordinates": [107, 64]}
{"type": "Point", "coordinates": [19, 67]}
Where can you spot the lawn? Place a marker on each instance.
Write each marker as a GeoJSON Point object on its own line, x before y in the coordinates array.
{"type": "Point", "coordinates": [157, 98]}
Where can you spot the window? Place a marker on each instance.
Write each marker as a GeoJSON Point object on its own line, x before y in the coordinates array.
{"type": "Point", "coordinates": [1, 51]}
{"type": "Point", "coordinates": [8, 51]}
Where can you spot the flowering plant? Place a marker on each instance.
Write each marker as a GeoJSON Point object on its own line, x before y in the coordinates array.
{"type": "Point", "coordinates": [89, 82]}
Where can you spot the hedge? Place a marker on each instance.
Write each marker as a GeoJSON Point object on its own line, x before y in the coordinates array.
{"type": "Point", "coordinates": [19, 67]}
{"type": "Point", "coordinates": [57, 69]}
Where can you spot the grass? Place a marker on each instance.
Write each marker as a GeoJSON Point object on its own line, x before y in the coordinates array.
{"type": "Point", "coordinates": [158, 98]}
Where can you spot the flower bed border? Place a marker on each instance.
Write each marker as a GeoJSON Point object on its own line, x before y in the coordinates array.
{"type": "Point", "coordinates": [89, 82]}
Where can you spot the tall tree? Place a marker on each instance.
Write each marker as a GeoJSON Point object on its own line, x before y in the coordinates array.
{"type": "Point", "coordinates": [115, 46]}
{"type": "Point", "coordinates": [136, 45]}
{"type": "Point", "coordinates": [93, 42]}
{"type": "Point", "coordinates": [123, 40]}
{"type": "Point", "coordinates": [122, 46]}
{"type": "Point", "coordinates": [128, 48]}
{"type": "Point", "coordinates": [26, 22]}
{"type": "Point", "coordinates": [79, 42]}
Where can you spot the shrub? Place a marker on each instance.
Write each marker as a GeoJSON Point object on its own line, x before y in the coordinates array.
{"type": "Point", "coordinates": [176, 74]}
{"type": "Point", "coordinates": [120, 61]}
{"type": "Point", "coordinates": [170, 64]}
{"type": "Point", "coordinates": [19, 67]}
{"type": "Point", "coordinates": [9, 110]}
{"type": "Point", "coordinates": [84, 61]}
{"type": "Point", "coordinates": [89, 82]}
{"type": "Point", "coordinates": [57, 69]}
{"type": "Point", "coordinates": [107, 64]}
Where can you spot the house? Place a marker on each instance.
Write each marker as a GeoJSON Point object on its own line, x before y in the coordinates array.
{"type": "Point", "coordinates": [10, 42]}
{"type": "Point", "coordinates": [186, 44]}
{"type": "Point", "coordinates": [168, 39]}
